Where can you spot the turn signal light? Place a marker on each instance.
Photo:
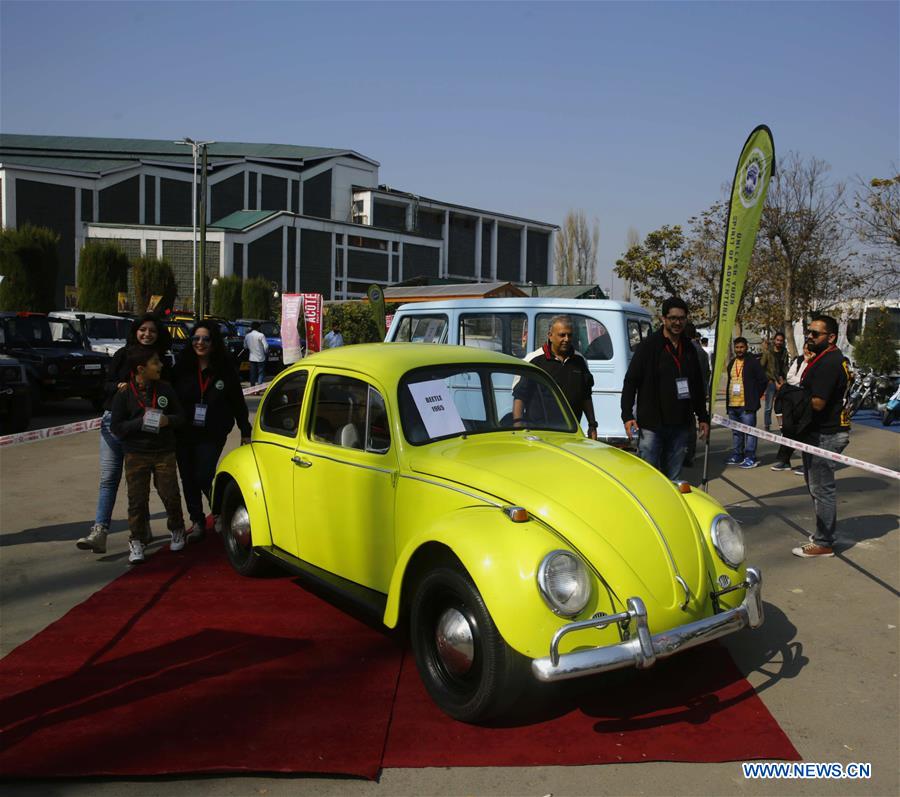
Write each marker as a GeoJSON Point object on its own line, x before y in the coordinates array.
{"type": "Point", "coordinates": [517, 514]}
{"type": "Point", "coordinates": [684, 487]}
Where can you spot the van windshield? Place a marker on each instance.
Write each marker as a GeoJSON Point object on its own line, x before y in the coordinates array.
{"type": "Point", "coordinates": [422, 329]}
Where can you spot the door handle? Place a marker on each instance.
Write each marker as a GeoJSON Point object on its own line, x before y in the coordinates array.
{"type": "Point", "coordinates": [303, 463]}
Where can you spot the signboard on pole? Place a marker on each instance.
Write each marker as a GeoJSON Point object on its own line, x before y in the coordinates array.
{"type": "Point", "coordinates": [71, 297]}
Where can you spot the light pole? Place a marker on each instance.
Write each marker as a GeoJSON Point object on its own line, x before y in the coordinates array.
{"type": "Point", "coordinates": [195, 148]}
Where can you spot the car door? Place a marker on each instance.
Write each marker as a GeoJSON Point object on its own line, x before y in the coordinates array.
{"type": "Point", "coordinates": [274, 447]}
{"type": "Point", "coordinates": [344, 481]}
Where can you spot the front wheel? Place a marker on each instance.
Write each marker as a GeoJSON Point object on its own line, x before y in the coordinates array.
{"type": "Point", "coordinates": [237, 535]}
{"type": "Point", "coordinates": [464, 662]}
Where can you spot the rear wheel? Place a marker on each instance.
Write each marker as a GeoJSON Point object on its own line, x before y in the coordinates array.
{"type": "Point", "coordinates": [237, 535]}
{"type": "Point", "coordinates": [464, 662]}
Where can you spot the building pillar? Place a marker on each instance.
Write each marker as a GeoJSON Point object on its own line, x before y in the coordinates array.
{"type": "Point", "coordinates": [551, 257]}
{"type": "Point", "coordinates": [297, 259]}
{"type": "Point", "coordinates": [444, 270]}
{"type": "Point", "coordinates": [246, 265]}
{"type": "Point", "coordinates": [523, 255]}
{"type": "Point", "coordinates": [399, 276]}
{"type": "Point", "coordinates": [410, 221]}
{"type": "Point", "coordinates": [333, 265]}
{"type": "Point", "coordinates": [246, 191]}
{"type": "Point", "coordinates": [227, 250]}
{"type": "Point", "coordinates": [9, 201]}
{"type": "Point", "coordinates": [478, 249]}
{"type": "Point", "coordinates": [284, 258]}
{"type": "Point", "coordinates": [494, 226]}
{"type": "Point", "coordinates": [142, 199]}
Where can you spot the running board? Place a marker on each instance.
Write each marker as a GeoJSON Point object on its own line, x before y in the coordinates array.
{"type": "Point", "coordinates": [367, 599]}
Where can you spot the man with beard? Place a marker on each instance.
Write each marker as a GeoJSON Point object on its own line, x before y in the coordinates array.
{"type": "Point", "coordinates": [665, 376]}
{"type": "Point", "coordinates": [826, 378]}
{"type": "Point", "coordinates": [567, 368]}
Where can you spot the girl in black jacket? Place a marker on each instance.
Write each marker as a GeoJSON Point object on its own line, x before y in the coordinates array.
{"type": "Point", "coordinates": [145, 331]}
{"type": "Point", "coordinates": [209, 389]}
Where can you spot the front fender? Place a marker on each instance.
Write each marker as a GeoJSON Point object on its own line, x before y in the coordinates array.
{"type": "Point", "coordinates": [502, 558]}
{"type": "Point", "coordinates": [239, 466]}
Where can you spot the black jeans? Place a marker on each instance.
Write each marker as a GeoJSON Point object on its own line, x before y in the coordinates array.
{"type": "Point", "coordinates": [197, 460]}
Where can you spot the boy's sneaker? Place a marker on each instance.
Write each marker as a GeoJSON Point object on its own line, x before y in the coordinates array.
{"type": "Point", "coordinates": [217, 524]}
{"type": "Point", "coordinates": [177, 542]}
{"type": "Point", "coordinates": [813, 551]}
{"type": "Point", "coordinates": [733, 460]}
{"type": "Point", "coordinates": [95, 541]}
{"type": "Point", "coordinates": [781, 466]}
{"type": "Point", "coordinates": [749, 463]}
{"type": "Point", "coordinates": [196, 532]}
{"type": "Point", "coordinates": [799, 471]}
{"type": "Point", "coordinates": [135, 551]}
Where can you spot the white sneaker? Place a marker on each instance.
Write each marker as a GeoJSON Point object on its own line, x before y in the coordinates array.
{"type": "Point", "coordinates": [177, 540]}
{"type": "Point", "coordinates": [135, 551]}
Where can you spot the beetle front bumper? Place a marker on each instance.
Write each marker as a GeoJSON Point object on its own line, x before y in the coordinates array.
{"type": "Point", "coordinates": [642, 650]}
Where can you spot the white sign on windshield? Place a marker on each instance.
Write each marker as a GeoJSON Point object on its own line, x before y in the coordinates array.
{"type": "Point", "coordinates": [435, 405]}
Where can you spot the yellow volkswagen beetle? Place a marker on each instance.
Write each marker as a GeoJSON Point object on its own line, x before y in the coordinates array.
{"type": "Point", "coordinates": [393, 473]}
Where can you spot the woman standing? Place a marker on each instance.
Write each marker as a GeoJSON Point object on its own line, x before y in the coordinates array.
{"type": "Point", "coordinates": [209, 388]}
{"type": "Point", "coordinates": [146, 331]}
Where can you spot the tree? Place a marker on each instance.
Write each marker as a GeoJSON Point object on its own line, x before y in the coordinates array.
{"type": "Point", "coordinates": [875, 214]}
{"type": "Point", "coordinates": [576, 250]}
{"type": "Point", "coordinates": [29, 263]}
{"type": "Point", "coordinates": [876, 347]}
{"type": "Point", "coordinates": [632, 239]}
{"type": "Point", "coordinates": [357, 321]}
{"type": "Point", "coordinates": [226, 297]}
{"type": "Point", "coordinates": [256, 298]}
{"type": "Point", "coordinates": [102, 273]}
{"type": "Point", "coordinates": [659, 267]}
{"type": "Point", "coordinates": [153, 277]}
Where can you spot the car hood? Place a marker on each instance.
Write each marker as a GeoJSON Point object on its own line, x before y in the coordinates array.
{"type": "Point", "coordinates": [61, 353]}
{"type": "Point", "coordinates": [621, 514]}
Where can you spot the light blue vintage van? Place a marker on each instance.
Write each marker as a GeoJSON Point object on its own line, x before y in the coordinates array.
{"type": "Point", "coordinates": [606, 335]}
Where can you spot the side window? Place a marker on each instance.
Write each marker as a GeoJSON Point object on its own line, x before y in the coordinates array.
{"type": "Point", "coordinates": [634, 334]}
{"type": "Point", "coordinates": [422, 329]}
{"type": "Point", "coordinates": [503, 332]}
{"type": "Point", "coordinates": [345, 414]}
{"type": "Point", "coordinates": [592, 338]}
{"type": "Point", "coordinates": [281, 411]}
{"type": "Point", "coordinates": [646, 329]}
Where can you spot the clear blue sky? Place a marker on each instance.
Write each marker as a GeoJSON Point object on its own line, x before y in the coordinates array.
{"type": "Point", "coordinates": [634, 112]}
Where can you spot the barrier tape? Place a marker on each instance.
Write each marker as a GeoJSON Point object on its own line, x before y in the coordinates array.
{"type": "Point", "coordinates": [20, 438]}
{"type": "Point", "coordinates": [798, 446]}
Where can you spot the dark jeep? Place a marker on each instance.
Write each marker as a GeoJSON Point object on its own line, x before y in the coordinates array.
{"type": "Point", "coordinates": [56, 369]}
{"type": "Point", "coordinates": [15, 396]}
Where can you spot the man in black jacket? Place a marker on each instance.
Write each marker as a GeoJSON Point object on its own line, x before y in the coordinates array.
{"type": "Point", "coordinates": [665, 376]}
{"type": "Point", "coordinates": [746, 386]}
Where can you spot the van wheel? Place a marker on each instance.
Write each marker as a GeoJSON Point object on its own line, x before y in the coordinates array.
{"type": "Point", "coordinates": [237, 534]}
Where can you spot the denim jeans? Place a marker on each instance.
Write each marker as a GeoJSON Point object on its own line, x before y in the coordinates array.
{"type": "Point", "coordinates": [664, 448]}
{"type": "Point", "coordinates": [111, 458]}
{"type": "Point", "coordinates": [770, 400]}
{"type": "Point", "coordinates": [257, 372]}
{"type": "Point", "coordinates": [197, 460]}
{"type": "Point", "coordinates": [820, 483]}
{"type": "Point", "coordinates": [743, 445]}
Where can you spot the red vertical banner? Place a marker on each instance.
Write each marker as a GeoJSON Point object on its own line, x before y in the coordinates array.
{"type": "Point", "coordinates": [312, 311]}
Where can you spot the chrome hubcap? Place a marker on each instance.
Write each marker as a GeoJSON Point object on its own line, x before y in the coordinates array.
{"type": "Point", "coordinates": [240, 526]}
{"type": "Point", "coordinates": [455, 642]}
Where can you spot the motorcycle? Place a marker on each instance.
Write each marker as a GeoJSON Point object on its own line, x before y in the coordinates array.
{"type": "Point", "coordinates": [891, 410]}
{"type": "Point", "coordinates": [869, 391]}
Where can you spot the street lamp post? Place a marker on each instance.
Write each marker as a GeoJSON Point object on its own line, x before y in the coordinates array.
{"type": "Point", "coordinates": [195, 148]}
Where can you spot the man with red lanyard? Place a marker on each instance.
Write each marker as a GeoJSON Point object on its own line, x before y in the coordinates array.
{"type": "Point", "coordinates": [746, 386]}
{"type": "Point", "coordinates": [827, 378]}
{"type": "Point", "coordinates": [664, 381]}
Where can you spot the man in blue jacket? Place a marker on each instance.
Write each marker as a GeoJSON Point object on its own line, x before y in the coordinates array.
{"type": "Point", "coordinates": [746, 386]}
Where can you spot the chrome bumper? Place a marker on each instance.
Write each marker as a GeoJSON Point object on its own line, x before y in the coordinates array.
{"type": "Point", "coordinates": [642, 650]}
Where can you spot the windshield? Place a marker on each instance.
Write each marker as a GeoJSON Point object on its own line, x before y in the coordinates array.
{"type": "Point", "coordinates": [451, 400]}
{"type": "Point", "coordinates": [270, 329]}
{"type": "Point", "coordinates": [113, 328]}
{"type": "Point", "coordinates": [35, 331]}
{"type": "Point", "coordinates": [226, 329]}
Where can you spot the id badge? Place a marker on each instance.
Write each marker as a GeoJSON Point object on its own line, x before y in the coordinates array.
{"type": "Point", "coordinates": [199, 415]}
{"type": "Point", "coordinates": [681, 386]}
{"type": "Point", "coordinates": [737, 387]}
{"type": "Point", "coordinates": [151, 421]}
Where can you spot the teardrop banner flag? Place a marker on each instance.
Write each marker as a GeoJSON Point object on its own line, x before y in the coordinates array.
{"type": "Point", "coordinates": [748, 195]}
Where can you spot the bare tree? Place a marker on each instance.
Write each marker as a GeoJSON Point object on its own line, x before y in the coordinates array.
{"type": "Point", "coordinates": [576, 250]}
{"type": "Point", "coordinates": [875, 214]}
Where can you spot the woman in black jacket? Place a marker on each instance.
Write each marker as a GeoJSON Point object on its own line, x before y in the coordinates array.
{"type": "Point", "coordinates": [209, 389]}
{"type": "Point", "coordinates": [145, 331]}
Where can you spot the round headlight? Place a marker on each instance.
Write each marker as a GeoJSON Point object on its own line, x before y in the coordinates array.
{"type": "Point", "coordinates": [564, 583]}
{"type": "Point", "coordinates": [728, 539]}
{"type": "Point", "coordinates": [53, 369]}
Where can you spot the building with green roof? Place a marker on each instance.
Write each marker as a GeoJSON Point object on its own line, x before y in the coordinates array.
{"type": "Point", "coordinates": [309, 219]}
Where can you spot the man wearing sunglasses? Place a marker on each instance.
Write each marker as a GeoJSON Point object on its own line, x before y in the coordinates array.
{"type": "Point", "coordinates": [826, 378]}
{"type": "Point", "coordinates": [665, 377]}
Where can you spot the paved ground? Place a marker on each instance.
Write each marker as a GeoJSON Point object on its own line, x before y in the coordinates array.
{"type": "Point", "coordinates": [825, 663]}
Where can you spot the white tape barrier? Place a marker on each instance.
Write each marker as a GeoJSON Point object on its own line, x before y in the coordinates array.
{"type": "Point", "coordinates": [798, 446]}
{"type": "Point", "coordinates": [78, 427]}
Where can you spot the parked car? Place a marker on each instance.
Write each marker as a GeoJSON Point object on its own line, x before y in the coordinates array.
{"type": "Point", "coordinates": [606, 335]}
{"type": "Point", "coordinates": [106, 333]}
{"type": "Point", "coordinates": [272, 331]}
{"type": "Point", "coordinates": [15, 396]}
{"type": "Point", "coordinates": [56, 369]}
{"type": "Point", "coordinates": [392, 473]}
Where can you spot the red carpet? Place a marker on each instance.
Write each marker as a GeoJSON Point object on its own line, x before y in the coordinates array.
{"type": "Point", "coordinates": [183, 666]}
